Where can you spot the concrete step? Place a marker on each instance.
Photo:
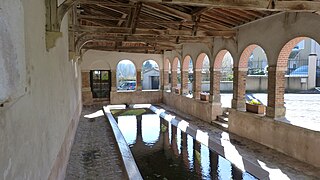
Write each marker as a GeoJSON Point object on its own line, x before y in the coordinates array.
{"type": "Point", "coordinates": [225, 113]}
{"type": "Point", "coordinates": [223, 118]}
{"type": "Point", "coordinates": [221, 125]}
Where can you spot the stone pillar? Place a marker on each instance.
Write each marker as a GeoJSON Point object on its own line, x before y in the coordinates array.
{"type": "Point", "coordinates": [197, 156]}
{"type": "Point", "coordinates": [276, 87]}
{"type": "Point", "coordinates": [215, 76]}
{"type": "Point", "coordinates": [87, 98]}
{"type": "Point", "coordinates": [184, 149]}
{"type": "Point", "coordinates": [312, 70]}
{"type": "Point", "coordinates": [113, 80]}
{"type": "Point", "coordinates": [184, 82]}
{"type": "Point", "coordinates": [139, 130]}
{"type": "Point", "coordinates": [165, 78]}
{"type": "Point", "coordinates": [174, 80]}
{"type": "Point", "coordinates": [174, 144]}
{"type": "Point", "coordinates": [197, 83]}
{"type": "Point", "coordinates": [138, 83]}
{"type": "Point", "coordinates": [214, 163]}
{"type": "Point", "coordinates": [239, 88]}
{"type": "Point", "coordinates": [166, 138]}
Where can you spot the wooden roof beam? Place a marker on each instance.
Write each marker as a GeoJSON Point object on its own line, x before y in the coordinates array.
{"type": "Point", "coordinates": [265, 5]}
{"type": "Point", "coordinates": [153, 32]}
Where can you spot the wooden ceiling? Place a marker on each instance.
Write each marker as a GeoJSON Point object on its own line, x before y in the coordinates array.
{"type": "Point", "coordinates": [152, 27]}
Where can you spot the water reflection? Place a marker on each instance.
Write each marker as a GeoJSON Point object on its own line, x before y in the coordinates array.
{"type": "Point", "coordinates": [162, 151]}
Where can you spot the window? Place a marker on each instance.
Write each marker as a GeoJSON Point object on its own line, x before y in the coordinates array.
{"type": "Point", "coordinates": [126, 76]}
{"type": "Point", "coordinates": [100, 83]}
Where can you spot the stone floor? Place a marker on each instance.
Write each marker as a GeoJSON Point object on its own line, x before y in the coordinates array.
{"type": "Point", "coordinates": [94, 154]}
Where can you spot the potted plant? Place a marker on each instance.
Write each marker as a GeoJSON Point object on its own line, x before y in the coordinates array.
{"type": "Point", "coordinates": [255, 106]}
{"type": "Point", "coordinates": [177, 90]}
{"type": "Point", "coordinates": [204, 96]}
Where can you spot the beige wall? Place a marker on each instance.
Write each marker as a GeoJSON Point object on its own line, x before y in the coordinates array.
{"type": "Point", "coordinates": [294, 141]}
{"type": "Point", "coordinates": [136, 97]}
{"type": "Point", "coordinates": [200, 109]}
{"type": "Point", "coordinates": [34, 126]}
{"type": "Point", "coordinates": [109, 60]}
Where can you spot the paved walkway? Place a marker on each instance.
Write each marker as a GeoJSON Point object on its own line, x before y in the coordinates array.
{"type": "Point", "coordinates": [94, 154]}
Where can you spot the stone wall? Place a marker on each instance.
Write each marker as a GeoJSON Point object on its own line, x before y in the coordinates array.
{"type": "Point", "coordinates": [294, 141]}
{"type": "Point", "coordinates": [200, 109]}
{"type": "Point", "coordinates": [136, 97]}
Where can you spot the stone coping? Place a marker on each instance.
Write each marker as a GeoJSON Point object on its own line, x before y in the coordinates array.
{"type": "Point", "coordinates": [127, 157]}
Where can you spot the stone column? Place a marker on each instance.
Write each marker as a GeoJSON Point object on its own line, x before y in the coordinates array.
{"type": "Point", "coordinates": [161, 80]}
{"type": "Point", "coordinates": [197, 156]}
{"type": "Point", "coordinates": [184, 149]}
{"type": "Point", "coordinates": [87, 98]}
{"type": "Point", "coordinates": [215, 76]}
{"type": "Point", "coordinates": [113, 80]}
{"type": "Point", "coordinates": [165, 78]}
{"type": "Point", "coordinates": [276, 87]}
{"type": "Point", "coordinates": [184, 82]}
{"type": "Point", "coordinates": [139, 130]}
{"type": "Point", "coordinates": [174, 81]}
{"type": "Point", "coordinates": [174, 144]}
{"type": "Point", "coordinates": [197, 83]}
{"type": "Point", "coordinates": [138, 83]}
{"type": "Point", "coordinates": [214, 163]}
{"type": "Point", "coordinates": [166, 142]}
{"type": "Point", "coordinates": [239, 88]}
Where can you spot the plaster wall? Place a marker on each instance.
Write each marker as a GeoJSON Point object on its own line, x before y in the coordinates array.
{"type": "Point", "coordinates": [200, 109]}
{"type": "Point", "coordinates": [291, 140]}
{"type": "Point", "coordinates": [36, 129]}
{"type": "Point", "coordinates": [110, 60]}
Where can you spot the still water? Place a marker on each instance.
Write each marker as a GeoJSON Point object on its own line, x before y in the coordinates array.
{"type": "Point", "coordinates": [162, 151]}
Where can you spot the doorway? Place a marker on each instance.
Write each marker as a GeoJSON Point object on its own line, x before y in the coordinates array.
{"type": "Point", "coordinates": [100, 82]}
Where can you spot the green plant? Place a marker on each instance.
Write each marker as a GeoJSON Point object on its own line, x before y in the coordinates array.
{"type": "Point", "coordinates": [254, 102]}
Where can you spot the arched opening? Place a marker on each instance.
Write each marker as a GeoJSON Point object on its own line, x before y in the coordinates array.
{"type": "Point", "coordinates": [202, 75]}
{"type": "Point", "coordinates": [150, 76]}
{"type": "Point", "coordinates": [176, 76]}
{"type": "Point", "coordinates": [300, 67]}
{"type": "Point", "coordinates": [126, 76]}
{"type": "Point", "coordinates": [253, 63]}
{"type": "Point", "coordinates": [187, 77]}
{"type": "Point", "coordinates": [223, 78]}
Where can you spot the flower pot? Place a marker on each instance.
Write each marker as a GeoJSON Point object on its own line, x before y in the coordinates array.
{"type": "Point", "coordinates": [177, 90]}
{"type": "Point", "coordinates": [204, 97]}
{"type": "Point", "coordinates": [254, 108]}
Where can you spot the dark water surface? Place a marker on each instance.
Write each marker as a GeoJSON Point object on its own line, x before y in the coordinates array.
{"type": "Point", "coordinates": [162, 151]}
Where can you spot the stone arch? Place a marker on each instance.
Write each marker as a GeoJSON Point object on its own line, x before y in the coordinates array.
{"type": "Point", "coordinates": [175, 63]}
{"type": "Point", "coordinates": [282, 61]}
{"type": "Point", "coordinates": [218, 60]}
{"type": "Point", "coordinates": [200, 59]}
{"type": "Point", "coordinates": [198, 85]}
{"type": "Point", "coordinates": [99, 65]}
{"type": "Point", "coordinates": [166, 64]}
{"type": "Point", "coordinates": [185, 62]}
{"type": "Point", "coordinates": [132, 73]}
{"type": "Point", "coordinates": [243, 61]}
{"type": "Point", "coordinates": [150, 77]}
